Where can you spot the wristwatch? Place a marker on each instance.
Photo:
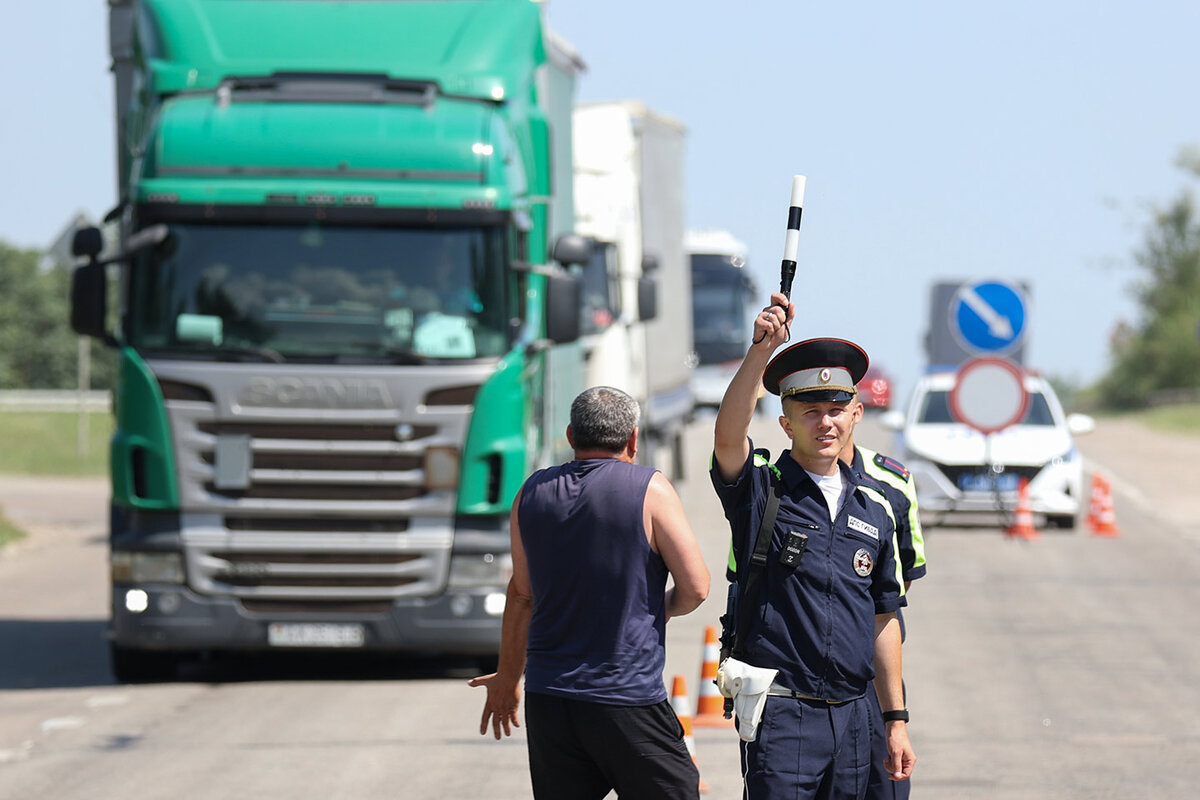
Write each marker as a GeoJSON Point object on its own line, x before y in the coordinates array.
{"type": "Point", "coordinates": [894, 716]}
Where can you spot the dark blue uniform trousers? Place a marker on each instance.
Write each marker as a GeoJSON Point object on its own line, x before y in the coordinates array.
{"type": "Point", "coordinates": [809, 750]}
{"type": "Point", "coordinates": [879, 785]}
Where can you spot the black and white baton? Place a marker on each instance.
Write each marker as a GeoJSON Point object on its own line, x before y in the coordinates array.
{"type": "Point", "coordinates": [787, 270]}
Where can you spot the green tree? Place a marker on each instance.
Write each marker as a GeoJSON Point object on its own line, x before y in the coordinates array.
{"type": "Point", "coordinates": [1162, 351]}
{"type": "Point", "coordinates": [38, 349]}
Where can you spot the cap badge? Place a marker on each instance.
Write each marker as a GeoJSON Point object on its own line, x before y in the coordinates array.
{"type": "Point", "coordinates": [825, 375]}
{"type": "Point", "coordinates": [863, 563]}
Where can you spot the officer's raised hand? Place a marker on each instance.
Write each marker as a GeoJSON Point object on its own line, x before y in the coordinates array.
{"type": "Point", "coordinates": [731, 447]}
{"type": "Point", "coordinates": [771, 326]}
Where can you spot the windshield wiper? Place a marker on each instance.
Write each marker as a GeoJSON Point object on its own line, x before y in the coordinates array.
{"type": "Point", "coordinates": [250, 354]}
{"type": "Point", "coordinates": [402, 355]}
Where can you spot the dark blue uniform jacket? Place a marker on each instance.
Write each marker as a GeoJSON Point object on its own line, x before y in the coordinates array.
{"type": "Point", "coordinates": [814, 623]}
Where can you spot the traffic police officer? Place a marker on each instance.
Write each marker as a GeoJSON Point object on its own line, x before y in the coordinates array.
{"type": "Point", "coordinates": [901, 495]}
{"type": "Point", "coordinates": [824, 615]}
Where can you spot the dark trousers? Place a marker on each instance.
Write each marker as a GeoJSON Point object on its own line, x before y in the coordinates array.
{"type": "Point", "coordinates": [580, 750]}
{"type": "Point", "coordinates": [879, 785]}
{"type": "Point", "coordinates": [809, 750]}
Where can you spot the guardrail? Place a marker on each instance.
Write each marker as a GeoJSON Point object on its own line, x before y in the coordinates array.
{"type": "Point", "coordinates": [54, 400]}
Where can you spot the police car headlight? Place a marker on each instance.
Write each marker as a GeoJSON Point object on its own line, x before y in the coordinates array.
{"type": "Point", "coordinates": [132, 566]}
{"type": "Point", "coordinates": [1070, 456]}
{"type": "Point", "coordinates": [480, 570]}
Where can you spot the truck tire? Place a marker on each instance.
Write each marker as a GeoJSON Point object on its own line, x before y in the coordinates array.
{"type": "Point", "coordinates": [142, 666]}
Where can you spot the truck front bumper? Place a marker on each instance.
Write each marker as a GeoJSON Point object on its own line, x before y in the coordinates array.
{"type": "Point", "coordinates": [174, 618]}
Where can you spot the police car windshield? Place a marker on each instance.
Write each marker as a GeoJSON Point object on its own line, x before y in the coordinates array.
{"type": "Point", "coordinates": [935, 409]}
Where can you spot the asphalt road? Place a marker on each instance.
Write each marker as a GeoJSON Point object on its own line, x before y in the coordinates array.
{"type": "Point", "coordinates": [1064, 667]}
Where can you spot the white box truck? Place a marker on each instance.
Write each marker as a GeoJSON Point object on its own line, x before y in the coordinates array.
{"type": "Point", "coordinates": [637, 306]}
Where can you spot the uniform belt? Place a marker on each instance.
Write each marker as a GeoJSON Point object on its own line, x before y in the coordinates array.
{"type": "Point", "coordinates": [782, 691]}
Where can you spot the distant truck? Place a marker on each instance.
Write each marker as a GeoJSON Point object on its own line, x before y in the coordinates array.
{"type": "Point", "coordinates": [341, 344]}
{"type": "Point", "coordinates": [724, 302]}
{"type": "Point", "coordinates": [629, 204]}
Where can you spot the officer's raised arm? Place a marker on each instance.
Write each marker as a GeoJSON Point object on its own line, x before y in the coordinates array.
{"type": "Point", "coordinates": [731, 445]}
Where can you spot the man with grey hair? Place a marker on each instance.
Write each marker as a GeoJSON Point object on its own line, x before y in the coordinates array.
{"type": "Point", "coordinates": [593, 542]}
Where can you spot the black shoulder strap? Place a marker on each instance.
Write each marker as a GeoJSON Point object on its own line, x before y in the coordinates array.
{"type": "Point", "coordinates": [758, 560]}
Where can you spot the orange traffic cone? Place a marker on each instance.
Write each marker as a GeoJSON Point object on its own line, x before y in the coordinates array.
{"type": "Point", "coordinates": [710, 705]}
{"type": "Point", "coordinates": [1022, 527]}
{"type": "Point", "coordinates": [1096, 501]}
{"type": "Point", "coordinates": [679, 704]}
{"type": "Point", "coordinates": [1104, 522]}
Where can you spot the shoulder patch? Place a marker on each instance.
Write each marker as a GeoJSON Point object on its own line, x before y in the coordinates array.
{"type": "Point", "coordinates": [892, 466]}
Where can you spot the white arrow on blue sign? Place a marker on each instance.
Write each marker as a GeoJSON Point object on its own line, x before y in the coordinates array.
{"type": "Point", "coordinates": [989, 317]}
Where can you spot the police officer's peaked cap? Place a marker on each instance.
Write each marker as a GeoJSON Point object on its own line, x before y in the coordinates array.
{"type": "Point", "coordinates": [816, 370]}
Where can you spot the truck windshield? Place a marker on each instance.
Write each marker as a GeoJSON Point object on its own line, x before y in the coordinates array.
{"type": "Point", "coordinates": [321, 293]}
{"type": "Point", "coordinates": [722, 319]}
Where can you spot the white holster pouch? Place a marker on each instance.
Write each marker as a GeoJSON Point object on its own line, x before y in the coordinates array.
{"type": "Point", "coordinates": [748, 686]}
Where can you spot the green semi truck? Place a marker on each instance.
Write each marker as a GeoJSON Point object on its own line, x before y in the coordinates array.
{"type": "Point", "coordinates": [343, 339]}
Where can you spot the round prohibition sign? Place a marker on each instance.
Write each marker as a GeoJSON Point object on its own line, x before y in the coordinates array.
{"type": "Point", "coordinates": [989, 395]}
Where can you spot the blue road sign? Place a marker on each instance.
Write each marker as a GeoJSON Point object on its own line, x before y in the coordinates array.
{"type": "Point", "coordinates": [988, 317]}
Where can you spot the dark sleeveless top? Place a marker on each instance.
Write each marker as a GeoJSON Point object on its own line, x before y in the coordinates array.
{"type": "Point", "coordinates": [596, 633]}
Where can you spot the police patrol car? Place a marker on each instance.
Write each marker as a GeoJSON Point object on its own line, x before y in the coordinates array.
{"type": "Point", "coordinates": [957, 471]}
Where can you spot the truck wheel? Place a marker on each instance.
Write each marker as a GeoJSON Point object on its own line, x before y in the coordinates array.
{"type": "Point", "coordinates": [142, 666]}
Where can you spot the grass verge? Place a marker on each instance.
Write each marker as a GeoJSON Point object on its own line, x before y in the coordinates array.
{"type": "Point", "coordinates": [46, 443]}
{"type": "Point", "coordinates": [8, 531]}
{"type": "Point", "coordinates": [1183, 418]}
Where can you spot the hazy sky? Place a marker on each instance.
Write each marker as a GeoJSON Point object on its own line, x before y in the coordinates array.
{"type": "Point", "coordinates": [942, 141]}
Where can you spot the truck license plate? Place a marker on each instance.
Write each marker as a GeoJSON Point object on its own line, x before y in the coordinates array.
{"type": "Point", "coordinates": [315, 634]}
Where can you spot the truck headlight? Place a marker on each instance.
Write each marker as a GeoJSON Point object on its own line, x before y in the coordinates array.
{"type": "Point", "coordinates": [134, 566]}
{"type": "Point", "coordinates": [480, 570]}
{"type": "Point", "coordinates": [442, 465]}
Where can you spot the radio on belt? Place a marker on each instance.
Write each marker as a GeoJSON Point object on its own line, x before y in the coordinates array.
{"type": "Point", "coordinates": [794, 545]}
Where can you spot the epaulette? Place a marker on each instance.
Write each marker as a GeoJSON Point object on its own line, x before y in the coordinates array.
{"type": "Point", "coordinates": [892, 466]}
{"type": "Point", "coordinates": [870, 481]}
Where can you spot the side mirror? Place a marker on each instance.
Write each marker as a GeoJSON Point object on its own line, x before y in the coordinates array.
{"type": "Point", "coordinates": [564, 294]}
{"type": "Point", "coordinates": [647, 290]}
{"type": "Point", "coordinates": [89, 300]}
{"type": "Point", "coordinates": [570, 249]}
{"type": "Point", "coordinates": [1080, 423]}
{"type": "Point", "coordinates": [892, 420]}
{"type": "Point", "coordinates": [87, 242]}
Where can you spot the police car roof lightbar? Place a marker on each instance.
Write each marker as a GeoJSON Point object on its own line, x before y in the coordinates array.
{"type": "Point", "coordinates": [787, 270]}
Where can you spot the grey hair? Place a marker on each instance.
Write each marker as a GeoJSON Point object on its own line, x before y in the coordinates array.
{"type": "Point", "coordinates": [603, 418]}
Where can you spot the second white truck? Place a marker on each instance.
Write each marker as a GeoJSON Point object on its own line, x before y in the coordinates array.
{"type": "Point", "coordinates": [637, 306]}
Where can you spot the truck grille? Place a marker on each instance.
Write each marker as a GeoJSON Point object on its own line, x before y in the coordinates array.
{"type": "Point", "coordinates": [327, 509]}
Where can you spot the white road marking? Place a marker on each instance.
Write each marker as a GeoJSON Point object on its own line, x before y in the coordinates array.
{"type": "Point", "coordinates": [20, 754]}
{"type": "Point", "coordinates": [62, 724]}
